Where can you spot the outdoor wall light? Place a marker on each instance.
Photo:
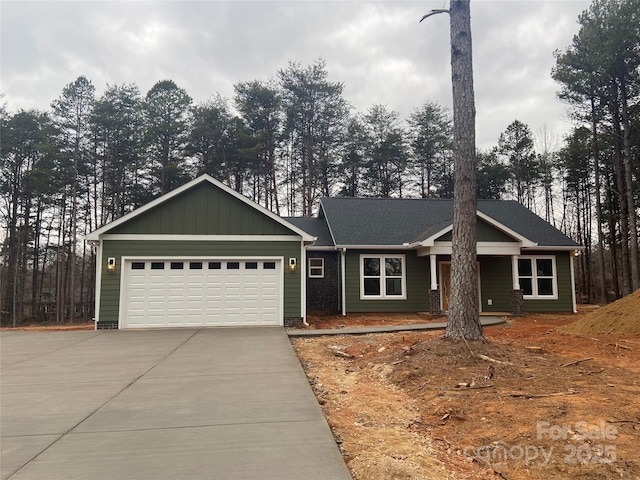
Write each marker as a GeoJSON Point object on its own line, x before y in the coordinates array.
{"type": "Point", "coordinates": [292, 264]}
{"type": "Point", "coordinates": [111, 264]}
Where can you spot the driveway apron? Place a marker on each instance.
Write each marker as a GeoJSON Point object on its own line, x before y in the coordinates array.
{"type": "Point", "coordinates": [218, 403]}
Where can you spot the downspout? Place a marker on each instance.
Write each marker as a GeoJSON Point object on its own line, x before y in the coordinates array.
{"type": "Point", "coordinates": [303, 274]}
{"type": "Point", "coordinates": [343, 254]}
{"type": "Point", "coordinates": [572, 256]}
{"type": "Point", "coordinates": [96, 307]}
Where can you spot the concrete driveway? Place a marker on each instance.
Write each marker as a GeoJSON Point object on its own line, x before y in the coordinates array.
{"type": "Point", "coordinates": [227, 403]}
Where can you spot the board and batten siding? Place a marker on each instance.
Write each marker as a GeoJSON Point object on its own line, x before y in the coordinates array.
{"type": "Point", "coordinates": [496, 283]}
{"type": "Point", "coordinates": [110, 283]}
{"type": "Point", "coordinates": [202, 210]}
{"type": "Point", "coordinates": [417, 284]}
{"type": "Point", "coordinates": [485, 233]}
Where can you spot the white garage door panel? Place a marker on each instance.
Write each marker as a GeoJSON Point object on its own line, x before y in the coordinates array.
{"type": "Point", "coordinates": [213, 295]}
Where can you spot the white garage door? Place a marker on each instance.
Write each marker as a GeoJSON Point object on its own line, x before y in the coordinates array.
{"type": "Point", "coordinates": [201, 292]}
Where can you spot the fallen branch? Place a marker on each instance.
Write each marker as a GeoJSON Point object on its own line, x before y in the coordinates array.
{"type": "Point", "coordinates": [542, 395]}
{"type": "Point", "coordinates": [467, 386]}
{"type": "Point", "coordinates": [624, 421]}
{"type": "Point", "coordinates": [617, 345]}
{"type": "Point", "coordinates": [576, 362]}
{"type": "Point", "coordinates": [492, 360]}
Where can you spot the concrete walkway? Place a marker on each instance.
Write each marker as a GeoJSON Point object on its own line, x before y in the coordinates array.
{"type": "Point", "coordinates": [294, 332]}
{"type": "Point", "coordinates": [227, 403]}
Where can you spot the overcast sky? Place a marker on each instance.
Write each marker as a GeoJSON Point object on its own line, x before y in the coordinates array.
{"type": "Point", "coordinates": [376, 48]}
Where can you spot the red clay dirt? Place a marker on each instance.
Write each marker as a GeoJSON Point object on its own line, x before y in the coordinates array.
{"type": "Point", "coordinates": [529, 403]}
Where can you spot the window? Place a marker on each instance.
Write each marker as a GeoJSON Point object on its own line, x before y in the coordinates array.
{"type": "Point", "coordinates": [316, 268]}
{"type": "Point", "coordinates": [250, 265]}
{"type": "Point", "coordinates": [382, 277]}
{"type": "Point", "coordinates": [233, 265]}
{"type": "Point", "coordinates": [157, 265]}
{"type": "Point", "coordinates": [137, 265]}
{"type": "Point", "coordinates": [177, 265]}
{"type": "Point", "coordinates": [269, 265]}
{"type": "Point", "coordinates": [195, 265]}
{"type": "Point", "coordinates": [537, 277]}
{"type": "Point", "coordinates": [214, 265]}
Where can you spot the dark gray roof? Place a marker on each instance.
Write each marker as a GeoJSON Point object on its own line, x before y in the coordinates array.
{"type": "Point", "coordinates": [385, 221]}
{"type": "Point", "coordinates": [314, 226]}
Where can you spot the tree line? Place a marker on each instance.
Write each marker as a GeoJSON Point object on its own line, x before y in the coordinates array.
{"type": "Point", "coordinates": [287, 141]}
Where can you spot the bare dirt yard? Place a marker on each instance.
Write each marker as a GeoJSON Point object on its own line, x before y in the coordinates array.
{"type": "Point", "coordinates": [532, 402]}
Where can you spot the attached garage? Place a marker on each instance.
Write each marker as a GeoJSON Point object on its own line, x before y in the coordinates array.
{"type": "Point", "coordinates": [202, 292]}
{"type": "Point", "coordinates": [200, 256]}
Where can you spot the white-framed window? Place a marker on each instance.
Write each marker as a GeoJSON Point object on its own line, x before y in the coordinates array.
{"type": "Point", "coordinates": [537, 276]}
{"type": "Point", "coordinates": [382, 277]}
{"type": "Point", "coordinates": [316, 268]}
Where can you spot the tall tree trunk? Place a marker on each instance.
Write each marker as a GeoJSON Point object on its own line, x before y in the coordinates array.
{"type": "Point", "coordinates": [464, 319]}
{"type": "Point", "coordinates": [602, 281]}
{"type": "Point", "coordinates": [628, 169]}
{"type": "Point", "coordinates": [618, 167]}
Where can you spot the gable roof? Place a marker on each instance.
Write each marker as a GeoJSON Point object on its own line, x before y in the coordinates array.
{"type": "Point", "coordinates": [401, 221]}
{"type": "Point", "coordinates": [314, 226]}
{"type": "Point", "coordinates": [203, 179]}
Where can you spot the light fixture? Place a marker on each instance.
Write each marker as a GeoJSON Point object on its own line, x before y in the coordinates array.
{"type": "Point", "coordinates": [111, 264]}
{"type": "Point", "coordinates": [292, 264]}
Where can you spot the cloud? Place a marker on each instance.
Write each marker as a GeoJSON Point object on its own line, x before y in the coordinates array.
{"type": "Point", "coordinates": [376, 48]}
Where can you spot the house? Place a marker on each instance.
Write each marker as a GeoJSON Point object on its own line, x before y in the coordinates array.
{"type": "Point", "coordinates": [204, 255]}
{"type": "Point", "coordinates": [394, 255]}
{"type": "Point", "coordinates": [201, 255]}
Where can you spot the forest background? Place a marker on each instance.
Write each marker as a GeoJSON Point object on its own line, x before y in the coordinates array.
{"type": "Point", "coordinates": [287, 141]}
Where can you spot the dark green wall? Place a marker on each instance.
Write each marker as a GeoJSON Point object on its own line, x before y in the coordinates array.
{"type": "Point", "coordinates": [486, 233]}
{"type": "Point", "coordinates": [203, 210]}
{"type": "Point", "coordinates": [110, 286]}
{"type": "Point", "coordinates": [497, 282]}
{"type": "Point", "coordinates": [417, 278]}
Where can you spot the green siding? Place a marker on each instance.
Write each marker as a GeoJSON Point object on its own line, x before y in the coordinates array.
{"type": "Point", "coordinates": [417, 278]}
{"type": "Point", "coordinates": [486, 233]}
{"type": "Point", "coordinates": [110, 282]}
{"type": "Point", "coordinates": [564, 303]}
{"type": "Point", "coordinates": [497, 281]}
{"type": "Point", "coordinates": [203, 210]}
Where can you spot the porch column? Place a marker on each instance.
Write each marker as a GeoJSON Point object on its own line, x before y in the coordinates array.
{"type": "Point", "coordinates": [434, 293]}
{"type": "Point", "coordinates": [517, 299]}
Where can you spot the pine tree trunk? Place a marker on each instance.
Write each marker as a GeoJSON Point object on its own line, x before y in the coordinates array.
{"type": "Point", "coordinates": [464, 320]}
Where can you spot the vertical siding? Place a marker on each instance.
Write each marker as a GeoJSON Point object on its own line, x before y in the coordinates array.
{"type": "Point", "coordinates": [496, 284]}
{"type": "Point", "coordinates": [110, 282]}
{"type": "Point", "coordinates": [203, 210]}
{"type": "Point", "coordinates": [417, 278]}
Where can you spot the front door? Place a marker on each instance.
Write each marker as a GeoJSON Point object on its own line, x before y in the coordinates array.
{"type": "Point", "coordinates": [445, 285]}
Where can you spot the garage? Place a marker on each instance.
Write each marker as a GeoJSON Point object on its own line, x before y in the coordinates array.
{"type": "Point", "coordinates": [201, 292]}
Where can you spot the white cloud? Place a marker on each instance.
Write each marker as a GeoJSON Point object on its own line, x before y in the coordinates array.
{"type": "Point", "coordinates": [377, 48]}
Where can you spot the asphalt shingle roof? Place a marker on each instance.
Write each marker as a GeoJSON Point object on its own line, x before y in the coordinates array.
{"type": "Point", "coordinates": [384, 221]}
{"type": "Point", "coordinates": [314, 226]}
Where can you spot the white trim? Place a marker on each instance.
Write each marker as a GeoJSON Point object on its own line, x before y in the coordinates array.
{"type": "Point", "coordinates": [303, 286]}
{"type": "Point", "coordinates": [514, 272]}
{"type": "Point", "coordinates": [310, 267]}
{"type": "Point", "coordinates": [376, 247]}
{"type": "Point", "coordinates": [343, 288]}
{"type": "Point", "coordinates": [433, 271]}
{"type": "Point", "coordinates": [196, 238]}
{"type": "Point", "coordinates": [96, 305]}
{"type": "Point", "coordinates": [95, 235]}
{"type": "Point", "coordinates": [203, 258]}
{"type": "Point", "coordinates": [482, 248]}
{"type": "Point", "coordinates": [552, 248]}
{"type": "Point", "coordinates": [573, 281]}
{"type": "Point", "coordinates": [383, 287]}
{"type": "Point", "coordinates": [534, 277]}
{"type": "Point", "coordinates": [524, 241]}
